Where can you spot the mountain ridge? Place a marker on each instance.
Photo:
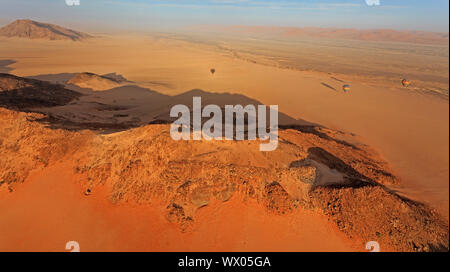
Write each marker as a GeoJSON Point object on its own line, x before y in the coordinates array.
{"type": "Point", "coordinates": [25, 28]}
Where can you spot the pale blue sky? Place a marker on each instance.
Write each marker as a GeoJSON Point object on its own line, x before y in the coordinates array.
{"type": "Point", "coordinates": [430, 15]}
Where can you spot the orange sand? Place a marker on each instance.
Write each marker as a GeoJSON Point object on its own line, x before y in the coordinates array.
{"type": "Point", "coordinates": [50, 208]}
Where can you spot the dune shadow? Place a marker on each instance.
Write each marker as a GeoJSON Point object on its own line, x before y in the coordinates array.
{"type": "Point", "coordinates": [328, 86]}
{"type": "Point", "coordinates": [159, 84]}
{"type": "Point", "coordinates": [23, 94]}
{"type": "Point", "coordinates": [126, 107]}
{"type": "Point", "coordinates": [4, 65]}
{"type": "Point", "coordinates": [64, 78]}
{"type": "Point", "coordinates": [354, 179]}
{"type": "Point", "coordinates": [309, 129]}
{"type": "Point", "coordinates": [61, 78]}
{"type": "Point", "coordinates": [337, 79]}
{"type": "Point", "coordinates": [131, 106]}
{"type": "Point", "coordinates": [324, 157]}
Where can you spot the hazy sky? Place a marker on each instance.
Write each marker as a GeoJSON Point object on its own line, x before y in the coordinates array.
{"type": "Point", "coordinates": [396, 14]}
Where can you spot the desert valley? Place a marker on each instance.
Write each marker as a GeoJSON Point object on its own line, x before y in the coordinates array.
{"type": "Point", "coordinates": [87, 154]}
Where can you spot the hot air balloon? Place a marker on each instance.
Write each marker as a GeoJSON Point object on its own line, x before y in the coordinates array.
{"type": "Point", "coordinates": [346, 88]}
{"type": "Point", "coordinates": [406, 83]}
{"type": "Point", "coordinates": [213, 71]}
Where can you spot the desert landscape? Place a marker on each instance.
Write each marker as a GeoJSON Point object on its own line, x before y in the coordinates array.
{"type": "Point", "coordinates": [87, 154]}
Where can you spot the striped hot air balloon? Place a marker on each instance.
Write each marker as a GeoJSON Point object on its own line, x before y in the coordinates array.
{"type": "Point", "coordinates": [406, 83]}
{"type": "Point", "coordinates": [346, 88]}
{"type": "Point", "coordinates": [213, 71]}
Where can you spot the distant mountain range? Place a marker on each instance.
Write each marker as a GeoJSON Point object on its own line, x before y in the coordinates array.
{"type": "Point", "coordinates": [37, 30]}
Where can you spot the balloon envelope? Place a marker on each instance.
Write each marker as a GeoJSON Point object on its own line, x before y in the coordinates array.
{"type": "Point", "coordinates": [346, 88]}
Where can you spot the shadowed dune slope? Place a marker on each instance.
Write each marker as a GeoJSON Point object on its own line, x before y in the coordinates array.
{"type": "Point", "coordinates": [126, 106]}
{"type": "Point", "coordinates": [4, 65]}
{"type": "Point", "coordinates": [22, 93]}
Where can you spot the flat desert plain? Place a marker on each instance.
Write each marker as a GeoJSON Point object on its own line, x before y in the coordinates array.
{"type": "Point", "coordinates": [408, 127]}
